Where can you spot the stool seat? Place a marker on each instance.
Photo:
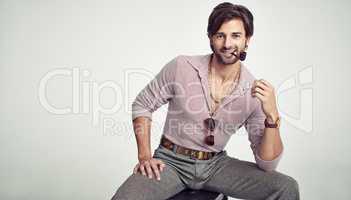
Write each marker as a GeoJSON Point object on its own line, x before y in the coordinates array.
{"type": "Point", "coordinates": [189, 194]}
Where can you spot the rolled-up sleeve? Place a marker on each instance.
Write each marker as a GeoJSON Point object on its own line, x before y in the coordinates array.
{"type": "Point", "coordinates": [254, 125]}
{"type": "Point", "coordinates": [156, 93]}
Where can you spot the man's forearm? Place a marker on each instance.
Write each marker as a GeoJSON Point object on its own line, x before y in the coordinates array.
{"type": "Point", "coordinates": [271, 145]}
{"type": "Point", "coordinates": [142, 127]}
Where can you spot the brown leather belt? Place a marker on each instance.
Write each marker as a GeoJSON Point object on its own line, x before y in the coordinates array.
{"type": "Point", "coordinates": [201, 155]}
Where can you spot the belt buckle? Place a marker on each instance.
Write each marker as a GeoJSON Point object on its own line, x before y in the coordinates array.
{"type": "Point", "coordinates": [197, 154]}
{"type": "Point", "coordinates": [201, 155]}
{"type": "Point", "coordinates": [193, 154]}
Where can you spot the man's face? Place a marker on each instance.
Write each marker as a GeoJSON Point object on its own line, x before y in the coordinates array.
{"type": "Point", "coordinates": [229, 41]}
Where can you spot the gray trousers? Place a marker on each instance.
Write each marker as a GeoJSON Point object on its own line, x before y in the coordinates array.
{"type": "Point", "coordinates": [222, 173]}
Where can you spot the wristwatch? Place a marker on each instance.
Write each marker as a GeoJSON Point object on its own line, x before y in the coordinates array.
{"type": "Point", "coordinates": [275, 125]}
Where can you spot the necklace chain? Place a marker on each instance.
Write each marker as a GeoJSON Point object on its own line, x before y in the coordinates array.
{"type": "Point", "coordinates": [231, 88]}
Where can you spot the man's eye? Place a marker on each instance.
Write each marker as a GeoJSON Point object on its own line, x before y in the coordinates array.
{"type": "Point", "coordinates": [219, 36]}
{"type": "Point", "coordinates": [236, 36]}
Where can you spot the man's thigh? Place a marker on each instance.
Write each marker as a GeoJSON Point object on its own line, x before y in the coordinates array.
{"type": "Point", "coordinates": [244, 180]}
{"type": "Point", "coordinates": [138, 186]}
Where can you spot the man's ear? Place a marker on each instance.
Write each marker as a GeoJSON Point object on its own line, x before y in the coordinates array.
{"type": "Point", "coordinates": [209, 37]}
{"type": "Point", "coordinates": [247, 42]}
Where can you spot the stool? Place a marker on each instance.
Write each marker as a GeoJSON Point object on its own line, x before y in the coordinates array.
{"type": "Point", "coordinates": [189, 194]}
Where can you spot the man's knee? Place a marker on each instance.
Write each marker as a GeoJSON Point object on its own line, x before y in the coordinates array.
{"type": "Point", "coordinates": [124, 193]}
{"type": "Point", "coordinates": [293, 186]}
{"type": "Point", "coordinates": [288, 185]}
{"type": "Point", "coordinates": [120, 195]}
{"type": "Point", "coordinates": [130, 188]}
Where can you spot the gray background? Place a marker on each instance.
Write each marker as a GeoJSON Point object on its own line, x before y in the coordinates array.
{"type": "Point", "coordinates": [44, 155]}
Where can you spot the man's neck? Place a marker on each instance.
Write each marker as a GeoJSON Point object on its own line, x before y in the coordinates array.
{"type": "Point", "coordinates": [224, 72]}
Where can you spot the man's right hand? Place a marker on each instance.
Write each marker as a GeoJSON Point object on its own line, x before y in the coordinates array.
{"type": "Point", "coordinates": [150, 167]}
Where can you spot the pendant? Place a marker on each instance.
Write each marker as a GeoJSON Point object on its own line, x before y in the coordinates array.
{"type": "Point", "coordinates": [210, 123]}
{"type": "Point", "coordinates": [209, 140]}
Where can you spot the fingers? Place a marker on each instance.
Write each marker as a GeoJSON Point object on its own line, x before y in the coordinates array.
{"type": "Point", "coordinates": [260, 91]}
{"type": "Point", "coordinates": [142, 170]}
{"type": "Point", "coordinates": [260, 96]}
{"type": "Point", "coordinates": [150, 168]}
{"type": "Point", "coordinates": [156, 171]}
{"type": "Point", "coordinates": [158, 167]}
{"type": "Point", "coordinates": [266, 83]}
{"type": "Point", "coordinates": [136, 168]}
{"type": "Point", "coordinates": [262, 87]}
{"type": "Point", "coordinates": [161, 165]}
{"type": "Point", "coordinates": [262, 84]}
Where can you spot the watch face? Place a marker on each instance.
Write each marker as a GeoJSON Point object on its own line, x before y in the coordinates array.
{"type": "Point", "coordinates": [275, 125]}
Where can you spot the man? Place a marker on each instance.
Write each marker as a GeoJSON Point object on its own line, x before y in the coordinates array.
{"type": "Point", "coordinates": [210, 97]}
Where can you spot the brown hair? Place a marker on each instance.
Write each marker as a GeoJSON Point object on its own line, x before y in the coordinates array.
{"type": "Point", "coordinates": [227, 11]}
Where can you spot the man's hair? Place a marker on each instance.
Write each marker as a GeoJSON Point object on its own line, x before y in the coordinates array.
{"type": "Point", "coordinates": [227, 11]}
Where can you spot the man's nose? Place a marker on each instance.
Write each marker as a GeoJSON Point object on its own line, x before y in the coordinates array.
{"type": "Point", "coordinates": [228, 43]}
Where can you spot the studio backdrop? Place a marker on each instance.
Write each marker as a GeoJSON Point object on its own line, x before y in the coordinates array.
{"type": "Point", "coordinates": [70, 70]}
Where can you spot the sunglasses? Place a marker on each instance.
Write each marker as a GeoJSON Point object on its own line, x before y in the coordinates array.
{"type": "Point", "coordinates": [210, 124]}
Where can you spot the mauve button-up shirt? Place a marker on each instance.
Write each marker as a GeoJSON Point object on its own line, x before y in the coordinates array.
{"type": "Point", "coordinates": [183, 83]}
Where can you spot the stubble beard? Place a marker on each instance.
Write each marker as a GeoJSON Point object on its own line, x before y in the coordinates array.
{"type": "Point", "coordinates": [223, 58]}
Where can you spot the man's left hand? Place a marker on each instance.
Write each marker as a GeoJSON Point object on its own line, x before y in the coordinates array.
{"type": "Point", "coordinates": [264, 91]}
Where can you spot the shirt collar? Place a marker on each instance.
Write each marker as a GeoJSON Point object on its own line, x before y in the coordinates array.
{"type": "Point", "coordinates": [201, 64]}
